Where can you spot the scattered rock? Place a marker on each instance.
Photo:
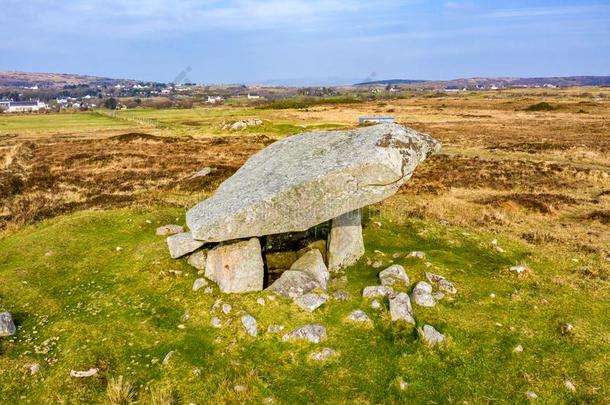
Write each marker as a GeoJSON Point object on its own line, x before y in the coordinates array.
{"type": "Point", "coordinates": [208, 290]}
{"type": "Point", "coordinates": [240, 388]}
{"type": "Point", "coordinates": [447, 287]}
{"type": "Point", "coordinates": [243, 124]}
{"type": "Point", "coordinates": [310, 302]}
{"type": "Point", "coordinates": [375, 304]}
{"type": "Point", "coordinates": [216, 322]}
{"type": "Point", "coordinates": [198, 259]}
{"type": "Point", "coordinates": [226, 308]}
{"type": "Point", "coordinates": [519, 270]}
{"type": "Point", "coordinates": [518, 349]}
{"type": "Point", "coordinates": [275, 328]}
{"type": "Point", "coordinates": [569, 385]}
{"type": "Point", "coordinates": [236, 267]}
{"type": "Point", "coordinates": [358, 315]}
{"type": "Point", "coordinates": [82, 374]}
{"type": "Point", "coordinates": [49, 253]}
{"type": "Point", "coordinates": [345, 242]}
{"type": "Point", "coordinates": [249, 324]}
{"type": "Point", "coordinates": [323, 354]}
{"type": "Point", "coordinates": [199, 284]}
{"type": "Point", "coordinates": [170, 229]}
{"type": "Point", "coordinates": [377, 291]}
{"type": "Point", "coordinates": [531, 395]}
{"type": "Point", "coordinates": [313, 333]}
{"type": "Point", "coordinates": [400, 308]}
{"type": "Point", "coordinates": [203, 172]}
{"type": "Point", "coordinates": [433, 278]}
{"type": "Point", "coordinates": [182, 326]}
{"type": "Point", "coordinates": [7, 326]}
{"type": "Point", "coordinates": [422, 295]}
{"type": "Point", "coordinates": [181, 244]}
{"type": "Point", "coordinates": [293, 284]}
{"type": "Point", "coordinates": [279, 189]}
{"type": "Point", "coordinates": [417, 255]}
{"type": "Point", "coordinates": [341, 295]}
{"type": "Point", "coordinates": [402, 384]}
{"type": "Point", "coordinates": [119, 248]}
{"type": "Point", "coordinates": [260, 301]}
{"type": "Point", "coordinates": [492, 295]}
{"type": "Point", "coordinates": [431, 336]}
{"type": "Point", "coordinates": [377, 264]}
{"type": "Point", "coordinates": [197, 372]}
{"type": "Point", "coordinates": [34, 368]}
{"type": "Point", "coordinates": [438, 295]}
{"type": "Point", "coordinates": [567, 329]}
{"type": "Point", "coordinates": [168, 357]}
{"type": "Point", "coordinates": [393, 274]}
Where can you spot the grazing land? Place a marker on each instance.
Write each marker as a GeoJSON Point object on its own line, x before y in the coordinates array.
{"type": "Point", "coordinates": [518, 182]}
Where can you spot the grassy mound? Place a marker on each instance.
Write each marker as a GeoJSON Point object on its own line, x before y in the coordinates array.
{"type": "Point", "coordinates": [81, 303]}
{"type": "Point", "coordinates": [542, 106]}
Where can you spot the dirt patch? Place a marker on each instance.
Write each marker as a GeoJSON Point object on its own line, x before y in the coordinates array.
{"type": "Point", "coordinates": [529, 147]}
{"type": "Point", "coordinates": [602, 216]}
{"type": "Point", "coordinates": [543, 202]}
{"type": "Point", "coordinates": [138, 136]}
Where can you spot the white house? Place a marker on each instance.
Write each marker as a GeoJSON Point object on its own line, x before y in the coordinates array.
{"type": "Point", "coordinates": [214, 99]}
{"type": "Point", "coordinates": [253, 97]}
{"type": "Point", "coordinates": [22, 106]}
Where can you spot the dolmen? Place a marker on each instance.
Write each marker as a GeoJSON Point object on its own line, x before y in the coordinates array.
{"type": "Point", "coordinates": [299, 195]}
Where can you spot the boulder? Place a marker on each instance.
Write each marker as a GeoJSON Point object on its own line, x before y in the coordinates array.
{"type": "Point", "coordinates": [7, 326]}
{"type": "Point", "coordinates": [358, 315]}
{"type": "Point", "coordinates": [313, 333]}
{"type": "Point", "coordinates": [400, 308]}
{"type": "Point", "coordinates": [394, 273]}
{"type": "Point", "coordinates": [307, 179]}
{"type": "Point", "coordinates": [310, 302]}
{"type": "Point", "coordinates": [345, 242]}
{"type": "Point", "coordinates": [169, 229]}
{"type": "Point", "coordinates": [422, 295]}
{"type": "Point", "coordinates": [312, 263]}
{"type": "Point", "coordinates": [181, 244]}
{"type": "Point", "coordinates": [236, 266]}
{"type": "Point", "coordinates": [293, 284]}
{"type": "Point", "coordinates": [197, 259]}
{"type": "Point", "coordinates": [431, 336]}
{"type": "Point", "coordinates": [249, 324]}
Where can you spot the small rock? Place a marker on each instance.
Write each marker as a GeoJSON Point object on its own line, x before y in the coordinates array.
{"type": "Point", "coordinates": [203, 172]}
{"type": "Point", "coordinates": [492, 295]}
{"type": "Point", "coordinates": [438, 295]}
{"type": "Point", "coordinates": [402, 384]}
{"type": "Point", "coordinates": [34, 368]}
{"type": "Point", "coordinates": [359, 315]}
{"type": "Point", "coordinates": [422, 295]}
{"type": "Point", "coordinates": [182, 326]}
{"type": "Point", "coordinates": [313, 333]}
{"type": "Point", "coordinates": [531, 394]}
{"type": "Point", "coordinates": [499, 249]}
{"type": "Point", "coordinates": [417, 255]}
{"type": "Point", "coordinates": [226, 308]}
{"type": "Point", "coordinates": [249, 324]}
{"type": "Point", "coordinates": [167, 357]}
{"type": "Point", "coordinates": [323, 354]}
{"type": "Point", "coordinates": [375, 304]}
{"type": "Point", "coordinates": [197, 259]}
{"type": "Point", "coordinates": [377, 291]}
{"type": "Point", "coordinates": [275, 328]}
{"type": "Point", "coordinates": [119, 249]}
{"type": "Point", "coordinates": [396, 255]}
{"type": "Point", "coordinates": [519, 270]}
{"type": "Point", "coordinates": [431, 336]}
{"type": "Point", "coordinates": [393, 274]}
{"type": "Point", "coordinates": [518, 349]}
{"type": "Point", "coordinates": [240, 388]}
{"type": "Point", "coordinates": [427, 264]}
{"type": "Point", "coordinates": [433, 278]}
{"type": "Point", "coordinates": [341, 295]}
{"type": "Point", "coordinates": [208, 290]}
{"type": "Point", "coordinates": [567, 328]}
{"type": "Point", "coordinates": [181, 244]}
{"type": "Point", "coordinates": [170, 229]}
{"type": "Point", "coordinates": [197, 372]}
{"type": "Point", "coordinates": [83, 374]}
{"type": "Point", "coordinates": [310, 302]}
{"type": "Point", "coordinates": [569, 385]}
{"type": "Point", "coordinates": [216, 322]}
{"type": "Point", "coordinates": [447, 286]}
{"type": "Point", "coordinates": [400, 308]}
{"type": "Point", "coordinates": [377, 264]}
{"type": "Point", "coordinates": [260, 301]}
{"type": "Point", "coordinates": [7, 326]}
{"type": "Point", "coordinates": [199, 284]}
{"type": "Point", "coordinates": [49, 253]}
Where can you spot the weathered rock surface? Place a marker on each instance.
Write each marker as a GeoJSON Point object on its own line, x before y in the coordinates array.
{"type": "Point", "coordinates": [199, 284]}
{"type": "Point", "coordinates": [312, 264]}
{"type": "Point", "coordinates": [237, 266]}
{"type": "Point", "coordinates": [304, 180]}
{"type": "Point", "coordinates": [249, 324]}
{"type": "Point", "coordinates": [393, 274]}
{"type": "Point", "coordinates": [316, 244]}
{"type": "Point", "coordinates": [400, 308]}
{"type": "Point", "coordinates": [310, 302]}
{"type": "Point", "coordinates": [376, 291]}
{"type": "Point", "coordinates": [345, 242]}
{"type": "Point", "coordinates": [431, 336]}
{"type": "Point", "coordinates": [313, 333]}
{"type": "Point", "coordinates": [169, 229]}
{"type": "Point", "coordinates": [293, 284]}
{"type": "Point", "coordinates": [181, 244]}
{"type": "Point", "coordinates": [358, 315]}
{"type": "Point", "coordinates": [197, 259]}
{"type": "Point", "coordinates": [7, 326]}
{"type": "Point", "coordinates": [422, 295]}
{"type": "Point", "coordinates": [323, 354]}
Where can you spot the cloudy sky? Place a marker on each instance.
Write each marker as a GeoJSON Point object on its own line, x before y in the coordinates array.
{"type": "Point", "coordinates": [257, 40]}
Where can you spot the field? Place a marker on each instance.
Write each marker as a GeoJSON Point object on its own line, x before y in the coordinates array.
{"type": "Point", "coordinates": [532, 178]}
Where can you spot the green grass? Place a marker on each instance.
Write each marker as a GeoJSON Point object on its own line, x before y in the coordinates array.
{"type": "Point", "coordinates": [82, 121]}
{"type": "Point", "coordinates": [542, 106]}
{"type": "Point", "coordinates": [119, 311]}
{"type": "Point", "coordinates": [307, 102]}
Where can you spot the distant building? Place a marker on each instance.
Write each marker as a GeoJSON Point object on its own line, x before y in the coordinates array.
{"type": "Point", "coordinates": [22, 106]}
{"type": "Point", "coordinates": [253, 97]}
{"type": "Point", "coordinates": [379, 120]}
{"type": "Point", "coordinates": [214, 99]}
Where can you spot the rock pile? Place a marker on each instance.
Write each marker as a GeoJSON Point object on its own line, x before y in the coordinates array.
{"type": "Point", "coordinates": [291, 213]}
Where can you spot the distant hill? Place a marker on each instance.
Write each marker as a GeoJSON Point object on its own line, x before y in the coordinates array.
{"type": "Point", "coordinates": [55, 80]}
{"type": "Point", "coordinates": [495, 82]}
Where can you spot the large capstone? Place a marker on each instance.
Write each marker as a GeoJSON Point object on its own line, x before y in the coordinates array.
{"type": "Point", "coordinates": [345, 242]}
{"type": "Point", "coordinates": [307, 179]}
{"type": "Point", "coordinates": [236, 266]}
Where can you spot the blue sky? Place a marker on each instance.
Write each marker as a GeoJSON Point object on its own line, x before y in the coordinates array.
{"type": "Point", "coordinates": [252, 41]}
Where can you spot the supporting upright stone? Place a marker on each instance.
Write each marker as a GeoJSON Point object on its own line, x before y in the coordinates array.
{"type": "Point", "coordinates": [345, 242]}
{"type": "Point", "coordinates": [236, 267]}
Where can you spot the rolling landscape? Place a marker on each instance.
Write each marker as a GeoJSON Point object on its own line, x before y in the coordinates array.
{"type": "Point", "coordinates": [212, 235]}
